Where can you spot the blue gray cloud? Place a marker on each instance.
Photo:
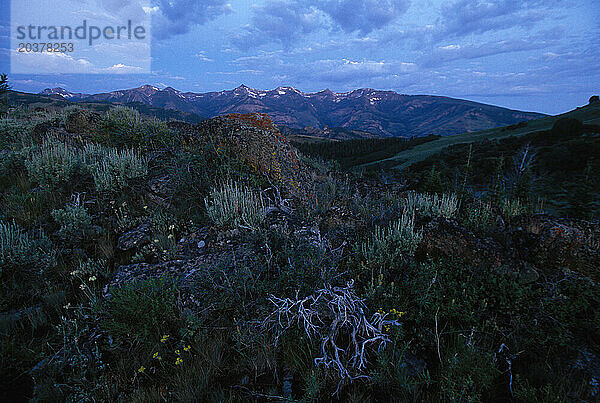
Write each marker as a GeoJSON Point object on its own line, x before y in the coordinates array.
{"type": "Point", "coordinates": [286, 21]}
{"type": "Point", "coordinates": [478, 16]}
{"type": "Point", "coordinates": [278, 21]}
{"type": "Point", "coordinates": [362, 15]}
{"type": "Point", "coordinates": [176, 17]}
{"type": "Point", "coordinates": [452, 52]}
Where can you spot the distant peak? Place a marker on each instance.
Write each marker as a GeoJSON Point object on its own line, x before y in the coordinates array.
{"type": "Point", "coordinates": [54, 90]}
{"type": "Point", "coordinates": [148, 87]}
{"type": "Point", "coordinates": [281, 90]}
{"type": "Point", "coordinates": [326, 91]}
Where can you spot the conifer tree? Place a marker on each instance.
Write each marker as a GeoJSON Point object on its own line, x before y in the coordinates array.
{"type": "Point", "coordinates": [4, 88]}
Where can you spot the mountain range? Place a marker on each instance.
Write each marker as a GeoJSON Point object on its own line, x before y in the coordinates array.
{"type": "Point", "coordinates": [363, 111]}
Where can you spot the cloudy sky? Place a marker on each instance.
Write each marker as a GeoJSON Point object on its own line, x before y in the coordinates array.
{"type": "Point", "coordinates": [538, 55]}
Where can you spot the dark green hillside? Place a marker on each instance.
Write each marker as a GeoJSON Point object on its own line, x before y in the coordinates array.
{"type": "Point", "coordinates": [563, 168]}
{"type": "Point", "coordinates": [589, 114]}
{"type": "Point", "coordinates": [351, 153]}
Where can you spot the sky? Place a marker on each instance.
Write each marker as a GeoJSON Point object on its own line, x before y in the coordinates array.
{"type": "Point", "coordinates": [535, 55]}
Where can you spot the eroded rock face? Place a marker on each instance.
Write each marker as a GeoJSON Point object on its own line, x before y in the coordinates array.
{"type": "Point", "coordinates": [259, 143]}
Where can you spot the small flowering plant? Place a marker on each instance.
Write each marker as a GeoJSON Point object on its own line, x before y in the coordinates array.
{"type": "Point", "coordinates": [390, 317]}
{"type": "Point", "coordinates": [86, 276]}
{"type": "Point", "coordinates": [163, 244]}
{"type": "Point", "coordinates": [169, 352]}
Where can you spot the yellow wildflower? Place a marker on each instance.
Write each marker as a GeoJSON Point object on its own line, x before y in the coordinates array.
{"type": "Point", "coordinates": [177, 352]}
{"type": "Point", "coordinates": [187, 348]}
{"type": "Point", "coordinates": [178, 361]}
{"type": "Point", "coordinates": [141, 369]}
{"type": "Point", "coordinates": [164, 338]}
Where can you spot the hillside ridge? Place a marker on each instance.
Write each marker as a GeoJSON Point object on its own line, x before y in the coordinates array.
{"type": "Point", "coordinates": [383, 113]}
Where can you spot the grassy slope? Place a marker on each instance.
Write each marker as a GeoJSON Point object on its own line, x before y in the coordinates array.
{"type": "Point", "coordinates": [589, 114]}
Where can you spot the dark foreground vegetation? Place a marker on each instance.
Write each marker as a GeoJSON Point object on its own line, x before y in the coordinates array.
{"type": "Point", "coordinates": [149, 261]}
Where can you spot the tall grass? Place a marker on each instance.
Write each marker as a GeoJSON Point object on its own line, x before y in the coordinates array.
{"type": "Point", "coordinates": [235, 204]}
{"type": "Point", "coordinates": [400, 236]}
{"type": "Point", "coordinates": [425, 205]}
{"type": "Point", "coordinates": [12, 243]}
{"type": "Point", "coordinates": [17, 249]}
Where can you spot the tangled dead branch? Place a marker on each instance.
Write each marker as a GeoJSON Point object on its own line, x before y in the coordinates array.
{"type": "Point", "coordinates": [336, 317]}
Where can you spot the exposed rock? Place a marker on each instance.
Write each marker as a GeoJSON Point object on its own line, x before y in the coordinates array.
{"type": "Point", "coordinates": [135, 238]}
{"type": "Point", "coordinates": [444, 238]}
{"type": "Point", "coordinates": [193, 244]}
{"type": "Point", "coordinates": [554, 243]}
{"type": "Point", "coordinates": [160, 186]}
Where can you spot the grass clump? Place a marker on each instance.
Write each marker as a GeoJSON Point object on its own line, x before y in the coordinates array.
{"type": "Point", "coordinates": [18, 248]}
{"type": "Point", "coordinates": [141, 308]}
{"type": "Point", "coordinates": [434, 205]}
{"type": "Point", "coordinates": [479, 217]}
{"type": "Point", "coordinates": [400, 237]}
{"type": "Point", "coordinates": [235, 204]}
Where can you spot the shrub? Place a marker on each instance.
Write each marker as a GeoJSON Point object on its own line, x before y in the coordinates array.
{"type": "Point", "coordinates": [155, 132]}
{"type": "Point", "coordinates": [75, 223]}
{"type": "Point", "coordinates": [119, 123]}
{"type": "Point", "coordinates": [445, 205]}
{"type": "Point", "coordinates": [124, 126]}
{"type": "Point", "coordinates": [19, 250]}
{"type": "Point", "coordinates": [54, 163]}
{"type": "Point", "coordinates": [113, 169]}
{"type": "Point", "coordinates": [433, 182]}
{"type": "Point", "coordinates": [235, 204]}
{"type": "Point", "coordinates": [467, 373]}
{"type": "Point", "coordinates": [567, 127]}
{"type": "Point", "coordinates": [14, 134]}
